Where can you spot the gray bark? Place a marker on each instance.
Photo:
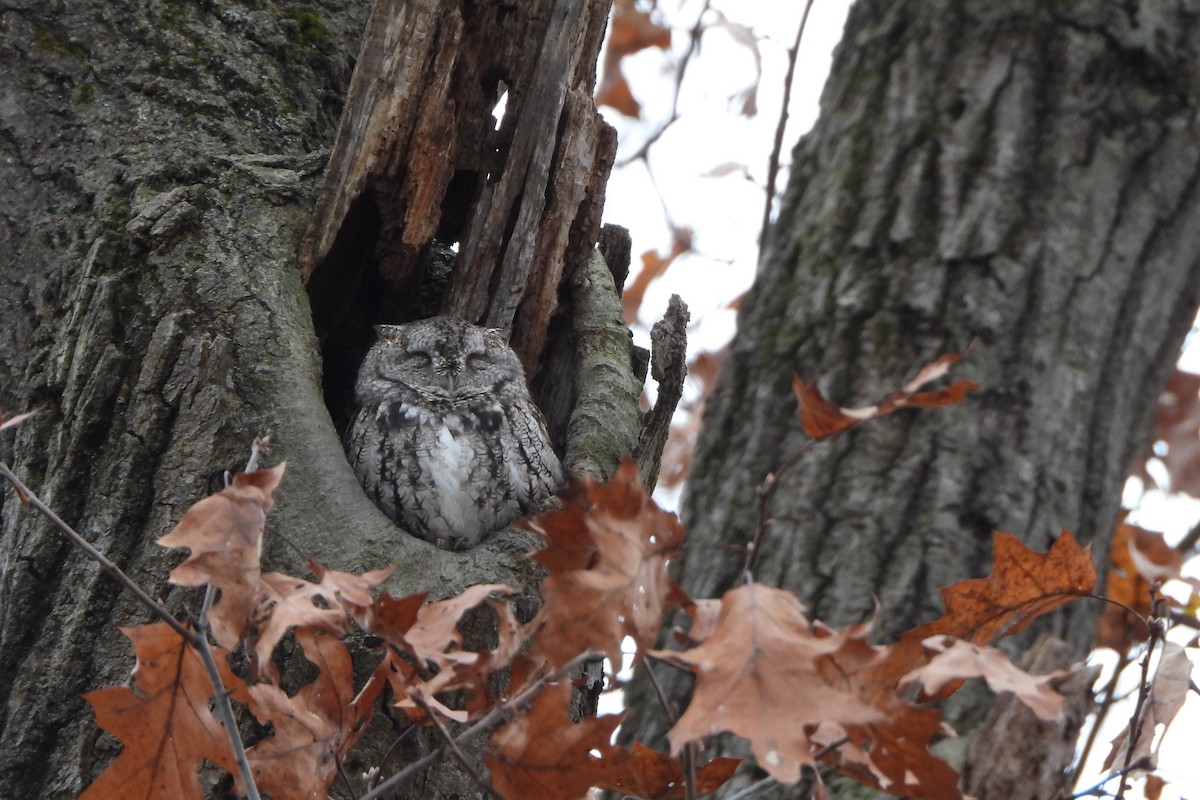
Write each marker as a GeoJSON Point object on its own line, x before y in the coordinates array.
{"type": "Point", "coordinates": [1018, 175]}
{"type": "Point", "coordinates": [160, 166]}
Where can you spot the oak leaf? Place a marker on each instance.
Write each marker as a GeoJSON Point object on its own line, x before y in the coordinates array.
{"type": "Point", "coordinates": [284, 603]}
{"type": "Point", "coordinates": [1176, 421]}
{"type": "Point", "coordinates": [544, 755]}
{"type": "Point", "coordinates": [630, 30]}
{"type": "Point", "coordinates": [642, 772]}
{"type": "Point", "coordinates": [164, 721]}
{"type": "Point", "coordinates": [956, 659]}
{"type": "Point", "coordinates": [1022, 585]}
{"type": "Point", "coordinates": [757, 676]}
{"type": "Point", "coordinates": [821, 418]}
{"type": "Point", "coordinates": [607, 550]}
{"type": "Point", "coordinates": [891, 754]}
{"type": "Point", "coordinates": [224, 532]}
{"type": "Point", "coordinates": [313, 729]}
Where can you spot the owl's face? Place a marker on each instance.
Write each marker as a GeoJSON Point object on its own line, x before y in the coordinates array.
{"type": "Point", "coordinates": [442, 359]}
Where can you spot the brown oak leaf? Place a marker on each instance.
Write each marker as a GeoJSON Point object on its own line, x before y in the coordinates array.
{"type": "Point", "coordinates": [821, 418]}
{"type": "Point", "coordinates": [1137, 558]}
{"type": "Point", "coordinates": [956, 659]}
{"type": "Point", "coordinates": [606, 551]}
{"type": "Point", "coordinates": [544, 755]}
{"type": "Point", "coordinates": [313, 729]}
{"type": "Point", "coordinates": [1023, 585]}
{"type": "Point", "coordinates": [164, 721]}
{"type": "Point", "coordinates": [284, 603]}
{"type": "Point", "coordinates": [224, 532]}
{"type": "Point", "coordinates": [757, 676]}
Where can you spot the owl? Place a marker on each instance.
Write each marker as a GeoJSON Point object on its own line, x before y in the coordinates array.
{"type": "Point", "coordinates": [446, 439]}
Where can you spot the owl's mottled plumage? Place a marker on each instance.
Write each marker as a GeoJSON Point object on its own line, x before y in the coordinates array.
{"type": "Point", "coordinates": [446, 439]}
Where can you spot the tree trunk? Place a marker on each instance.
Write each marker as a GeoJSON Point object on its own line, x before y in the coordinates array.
{"type": "Point", "coordinates": [1018, 176]}
{"type": "Point", "coordinates": [160, 165]}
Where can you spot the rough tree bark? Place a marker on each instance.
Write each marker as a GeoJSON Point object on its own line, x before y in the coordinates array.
{"type": "Point", "coordinates": [1018, 175]}
{"type": "Point", "coordinates": [161, 164]}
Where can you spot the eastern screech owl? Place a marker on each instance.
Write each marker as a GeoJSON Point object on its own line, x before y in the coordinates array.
{"type": "Point", "coordinates": [446, 439]}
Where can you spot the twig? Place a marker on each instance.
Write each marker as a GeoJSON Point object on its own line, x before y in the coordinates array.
{"type": "Point", "coordinates": [751, 789]}
{"type": "Point", "coordinates": [452, 745]}
{"type": "Point", "coordinates": [493, 719]}
{"type": "Point", "coordinates": [762, 784]}
{"type": "Point", "coordinates": [777, 148]}
{"type": "Point", "coordinates": [224, 708]}
{"type": "Point", "coordinates": [684, 60]}
{"type": "Point", "coordinates": [763, 495]}
{"type": "Point", "coordinates": [688, 762]}
{"type": "Point", "coordinates": [27, 496]}
{"type": "Point", "coordinates": [1141, 763]}
{"type": "Point", "coordinates": [1135, 720]}
{"type": "Point", "coordinates": [668, 712]}
{"type": "Point", "coordinates": [1110, 692]}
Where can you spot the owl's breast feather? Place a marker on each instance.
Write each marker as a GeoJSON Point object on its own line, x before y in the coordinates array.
{"type": "Point", "coordinates": [450, 472]}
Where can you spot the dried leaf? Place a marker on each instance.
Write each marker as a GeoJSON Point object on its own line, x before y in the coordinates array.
{"type": "Point", "coordinates": [653, 267]}
{"type": "Point", "coordinates": [891, 755]}
{"type": "Point", "coordinates": [630, 30]}
{"type": "Point", "coordinates": [1023, 585]}
{"type": "Point", "coordinates": [607, 550]}
{"type": "Point", "coordinates": [1176, 423]}
{"type": "Point", "coordinates": [645, 773]}
{"type": "Point", "coordinates": [956, 660]}
{"type": "Point", "coordinates": [164, 721]}
{"type": "Point", "coordinates": [313, 729]}
{"type": "Point", "coordinates": [821, 418]}
{"type": "Point", "coordinates": [1168, 690]}
{"type": "Point", "coordinates": [1137, 558]}
{"type": "Point", "coordinates": [285, 603]}
{"type": "Point", "coordinates": [757, 677]}
{"type": "Point", "coordinates": [543, 755]}
{"type": "Point", "coordinates": [224, 532]}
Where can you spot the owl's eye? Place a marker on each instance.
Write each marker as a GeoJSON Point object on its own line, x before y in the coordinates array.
{"type": "Point", "coordinates": [478, 360]}
{"type": "Point", "coordinates": [412, 359]}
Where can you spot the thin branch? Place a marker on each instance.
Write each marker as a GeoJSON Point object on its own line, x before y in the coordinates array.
{"type": "Point", "coordinates": [1141, 763]}
{"type": "Point", "coordinates": [750, 790]}
{"type": "Point", "coordinates": [452, 745]}
{"type": "Point", "coordinates": [693, 37]}
{"type": "Point", "coordinates": [224, 707]}
{"type": "Point", "coordinates": [777, 148]}
{"type": "Point", "coordinates": [1135, 720]}
{"type": "Point", "coordinates": [668, 712]}
{"type": "Point", "coordinates": [493, 719]}
{"type": "Point", "coordinates": [156, 608]}
{"type": "Point", "coordinates": [688, 762]}
{"type": "Point", "coordinates": [1110, 693]}
{"type": "Point", "coordinates": [763, 496]}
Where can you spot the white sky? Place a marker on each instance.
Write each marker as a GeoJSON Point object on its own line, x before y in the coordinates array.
{"type": "Point", "coordinates": [706, 173]}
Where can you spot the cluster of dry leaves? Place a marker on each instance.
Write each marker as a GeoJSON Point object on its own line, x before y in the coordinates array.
{"type": "Point", "coordinates": [800, 693]}
{"type": "Point", "coordinates": [789, 686]}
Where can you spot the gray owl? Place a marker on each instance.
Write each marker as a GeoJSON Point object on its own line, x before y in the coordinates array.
{"type": "Point", "coordinates": [446, 439]}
